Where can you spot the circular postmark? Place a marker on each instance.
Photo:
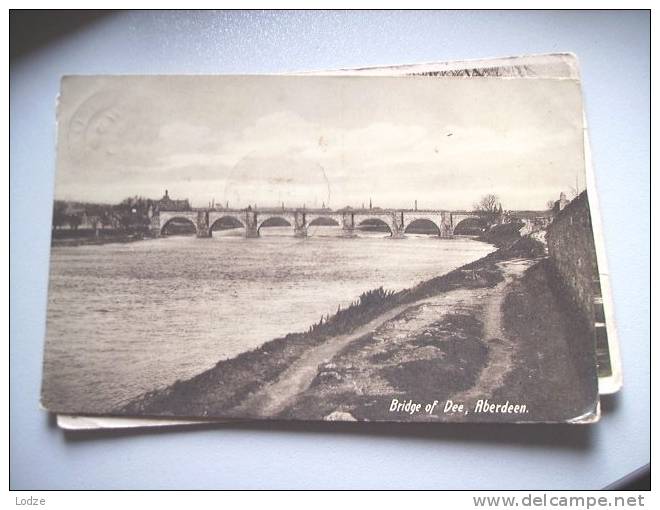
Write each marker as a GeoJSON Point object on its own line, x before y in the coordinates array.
{"type": "Point", "coordinates": [97, 125]}
{"type": "Point", "coordinates": [286, 182]}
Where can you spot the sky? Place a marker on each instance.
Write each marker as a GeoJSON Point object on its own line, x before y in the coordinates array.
{"type": "Point", "coordinates": [309, 140]}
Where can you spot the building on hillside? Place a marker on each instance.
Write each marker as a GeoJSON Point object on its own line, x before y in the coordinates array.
{"type": "Point", "coordinates": [167, 204]}
{"type": "Point", "coordinates": [560, 204]}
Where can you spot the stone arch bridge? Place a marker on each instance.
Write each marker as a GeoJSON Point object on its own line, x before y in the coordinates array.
{"type": "Point", "coordinates": [251, 220]}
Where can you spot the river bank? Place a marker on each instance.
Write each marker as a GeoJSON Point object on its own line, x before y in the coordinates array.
{"type": "Point", "coordinates": [89, 239]}
{"type": "Point", "coordinates": [515, 344]}
{"type": "Point", "coordinates": [237, 386]}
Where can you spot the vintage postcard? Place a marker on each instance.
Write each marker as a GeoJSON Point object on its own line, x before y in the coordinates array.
{"type": "Point", "coordinates": [328, 248]}
{"type": "Point", "coordinates": [556, 65]}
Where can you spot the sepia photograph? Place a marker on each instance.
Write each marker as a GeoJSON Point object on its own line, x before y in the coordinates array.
{"type": "Point", "coordinates": [308, 249]}
{"type": "Point", "coordinates": [338, 248]}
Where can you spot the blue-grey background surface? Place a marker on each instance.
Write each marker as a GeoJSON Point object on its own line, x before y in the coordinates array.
{"type": "Point", "coordinates": [613, 48]}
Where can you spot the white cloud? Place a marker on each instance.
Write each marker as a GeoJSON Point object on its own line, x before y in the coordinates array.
{"type": "Point", "coordinates": [438, 148]}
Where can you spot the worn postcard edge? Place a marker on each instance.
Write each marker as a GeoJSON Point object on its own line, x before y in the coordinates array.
{"type": "Point", "coordinates": [606, 385]}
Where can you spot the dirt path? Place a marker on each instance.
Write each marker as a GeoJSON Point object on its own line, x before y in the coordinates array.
{"type": "Point", "coordinates": [274, 397]}
{"type": "Point", "coordinates": [500, 348]}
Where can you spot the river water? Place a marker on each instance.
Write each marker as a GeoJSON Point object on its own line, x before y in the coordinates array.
{"type": "Point", "coordinates": [124, 319]}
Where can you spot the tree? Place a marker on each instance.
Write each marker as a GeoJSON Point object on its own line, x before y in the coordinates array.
{"type": "Point", "coordinates": [59, 214]}
{"type": "Point", "coordinates": [106, 218]}
{"type": "Point", "coordinates": [132, 213]}
{"type": "Point", "coordinates": [74, 221]}
{"type": "Point", "coordinates": [95, 222]}
{"type": "Point", "coordinates": [489, 204]}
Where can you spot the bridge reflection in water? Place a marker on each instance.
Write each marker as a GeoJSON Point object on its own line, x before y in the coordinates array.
{"type": "Point", "coordinates": [252, 220]}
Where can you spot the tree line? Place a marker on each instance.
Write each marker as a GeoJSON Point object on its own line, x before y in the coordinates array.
{"type": "Point", "coordinates": [131, 215]}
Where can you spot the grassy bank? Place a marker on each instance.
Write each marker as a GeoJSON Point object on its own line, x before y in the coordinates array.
{"type": "Point", "coordinates": [552, 369]}
{"type": "Point", "coordinates": [554, 366]}
{"type": "Point", "coordinates": [502, 236]}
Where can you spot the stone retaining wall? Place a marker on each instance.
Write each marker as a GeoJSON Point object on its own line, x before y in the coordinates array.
{"type": "Point", "coordinates": [571, 248]}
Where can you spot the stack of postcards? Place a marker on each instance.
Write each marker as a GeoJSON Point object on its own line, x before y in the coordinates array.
{"type": "Point", "coordinates": [417, 243]}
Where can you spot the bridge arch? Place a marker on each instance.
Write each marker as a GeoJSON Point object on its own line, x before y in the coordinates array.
{"type": "Point", "coordinates": [176, 225]}
{"type": "Point", "coordinates": [322, 220]}
{"type": "Point", "coordinates": [322, 224]}
{"type": "Point", "coordinates": [274, 220]}
{"type": "Point", "coordinates": [472, 225]}
{"type": "Point", "coordinates": [423, 226]}
{"type": "Point", "coordinates": [227, 222]}
{"type": "Point", "coordinates": [373, 222]}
